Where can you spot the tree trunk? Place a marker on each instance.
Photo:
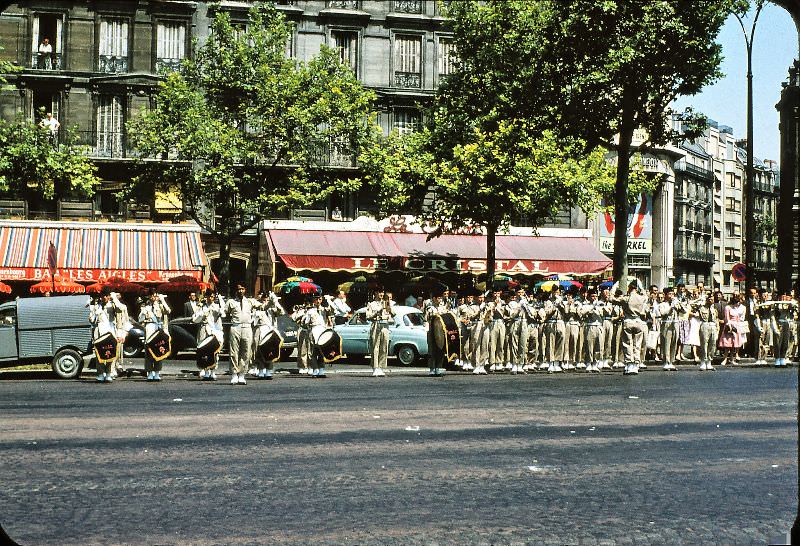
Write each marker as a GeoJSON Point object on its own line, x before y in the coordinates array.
{"type": "Point", "coordinates": [224, 266]}
{"type": "Point", "coordinates": [621, 192]}
{"type": "Point", "coordinates": [491, 235]}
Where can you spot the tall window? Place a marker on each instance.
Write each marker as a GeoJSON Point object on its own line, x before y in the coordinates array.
{"type": "Point", "coordinates": [110, 123]}
{"type": "Point", "coordinates": [47, 41]}
{"type": "Point", "coordinates": [446, 56]}
{"type": "Point", "coordinates": [408, 61]}
{"type": "Point", "coordinates": [346, 44]}
{"type": "Point", "coordinates": [170, 45]}
{"type": "Point", "coordinates": [113, 50]}
{"type": "Point", "coordinates": [406, 120]}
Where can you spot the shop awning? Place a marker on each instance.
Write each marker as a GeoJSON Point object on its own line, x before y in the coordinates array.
{"type": "Point", "coordinates": [373, 251]}
{"type": "Point", "coordinates": [96, 252]}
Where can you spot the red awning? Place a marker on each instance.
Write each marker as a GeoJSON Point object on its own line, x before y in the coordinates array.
{"type": "Point", "coordinates": [97, 252]}
{"type": "Point", "coordinates": [372, 251]}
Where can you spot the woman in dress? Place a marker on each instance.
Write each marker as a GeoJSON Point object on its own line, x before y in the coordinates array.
{"type": "Point", "coordinates": [733, 336]}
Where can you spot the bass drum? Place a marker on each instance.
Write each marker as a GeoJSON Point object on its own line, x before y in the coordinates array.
{"type": "Point", "coordinates": [328, 343]}
{"type": "Point", "coordinates": [269, 346]}
{"type": "Point", "coordinates": [447, 335]}
{"type": "Point", "coordinates": [207, 351]}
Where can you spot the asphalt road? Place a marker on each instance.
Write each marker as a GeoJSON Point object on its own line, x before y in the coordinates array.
{"type": "Point", "coordinates": [661, 458]}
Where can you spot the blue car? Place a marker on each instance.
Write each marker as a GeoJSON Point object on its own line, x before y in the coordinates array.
{"type": "Point", "coordinates": [408, 339]}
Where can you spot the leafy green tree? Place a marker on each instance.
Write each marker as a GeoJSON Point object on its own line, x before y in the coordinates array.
{"type": "Point", "coordinates": [33, 167]}
{"type": "Point", "coordinates": [590, 70]}
{"type": "Point", "coordinates": [488, 181]}
{"type": "Point", "coordinates": [6, 68]}
{"type": "Point", "coordinates": [251, 131]}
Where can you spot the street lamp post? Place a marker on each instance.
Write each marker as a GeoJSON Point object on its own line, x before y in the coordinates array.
{"type": "Point", "coordinates": [747, 191]}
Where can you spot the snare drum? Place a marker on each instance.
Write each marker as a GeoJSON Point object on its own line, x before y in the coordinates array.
{"type": "Point", "coordinates": [328, 342]}
{"type": "Point", "coordinates": [207, 351]}
{"type": "Point", "coordinates": [269, 346]}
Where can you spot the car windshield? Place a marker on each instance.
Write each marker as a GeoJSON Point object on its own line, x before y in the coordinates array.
{"type": "Point", "coordinates": [414, 319]}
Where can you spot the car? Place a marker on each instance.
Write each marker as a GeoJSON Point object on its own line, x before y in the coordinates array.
{"type": "Point", "coordinates": [408, 336]}
{"type": "Point", "coordinates": [184, 336]}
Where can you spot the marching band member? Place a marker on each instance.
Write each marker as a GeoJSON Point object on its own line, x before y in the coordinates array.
{"type": "Point", "coordinates": [707, 313]}
{"type": "Point", "coordinates": [634, 310]}
{"type": "Point", "coordinates": [314, 315]}
{"type": "Point", "coordinates": [436, 357]}
{"type": "Point", "coordinates": [265, 319]}
{"type": "Point", "coordinates": [534, 334]}
{"type": "Point", "coordinates": [497, 332]}
{"type": "Point", "coordinates": [102, 316]}
{"type": "Point", "coordinates": [479, 335]}
{"type": "Point", "coordinates": [762, 322]}
{"type": "Point", "coordinates": [380, 313]}
{"type": "Point", "coordinates": [467, 314]}
{"type": "Point", "coordinates": [555, 313]}
{"type": "Point", "coordinates": [240, 339]}
{"type": "Point", "coordinates": [154, 315]}
{"type": "Point", "coordinates": [122, 325]}
{"type": "Point", "coordinates": [668, 313]}
{"type": "Point", "coordinates": [591, 312]}
{"type": "Point", "coordinates": [572, 327]}
{"type": "Point", "coordinates": [208, 314]}
{"type": "Point", "coordinates": [519, 312]}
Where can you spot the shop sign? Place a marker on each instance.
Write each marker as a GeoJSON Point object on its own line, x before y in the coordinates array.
{"type": "Point", "coordinates": [93, 275]}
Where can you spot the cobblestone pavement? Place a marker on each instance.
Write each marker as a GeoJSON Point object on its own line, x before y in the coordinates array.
{"type": "Point", "coordinates": [681, 458]}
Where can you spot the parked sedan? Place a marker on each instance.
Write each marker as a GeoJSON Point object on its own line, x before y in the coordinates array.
{"type": "Point", "coordinates": [408, 335]}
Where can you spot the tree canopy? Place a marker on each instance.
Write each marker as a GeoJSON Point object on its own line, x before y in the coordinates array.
{"type": "Point", "coordinates": [33, 167]}
{"type": "Point", "coordinates": [252, 131]}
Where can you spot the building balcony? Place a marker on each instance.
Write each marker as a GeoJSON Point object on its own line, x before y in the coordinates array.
{"type": "Point", "coordinates": [168, 65]}
{"type": "Point", "coordinates": [699, 172]}
{"type": "Point", "coordinates": [112, 64]}
{"type": "Point", "coordinates": [766, 188]}
{"type": "Point", "coordinates": [765, 265]}
{"type": "Point", "coordinates": [46, 61]}
{"type": "Point", "coordinates": [104, 145]}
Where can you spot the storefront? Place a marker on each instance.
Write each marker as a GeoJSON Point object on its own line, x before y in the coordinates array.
{"type": "Point", "coordinates": [389, 253]}
{"type": "Point", "coordinates": [88, 252]}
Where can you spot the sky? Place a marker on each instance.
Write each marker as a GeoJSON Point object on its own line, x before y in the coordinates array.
{"type": "Point", "coordinates": [774, 49]}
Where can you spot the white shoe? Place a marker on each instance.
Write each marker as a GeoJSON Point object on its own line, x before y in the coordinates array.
{"type": "Point", "coordinates": [468, 367]}
{"type": "Point", "coordinates": [235, 379]}
{"type": "Point", "coordinates": [242, 380]}
{"type": "Point", "coordinates": [432, 372]}
{"type": "Point", "coordinates": [381, 373]}
{"type": "Point", "coordinates": [493, 368]}
{"type": "Point", "coordinates": [642, 366]}
{"type": "Point", "coordinates": [252, 371]}
{"type": "Point", "coordinates": [303, 371]}
{"type": "Point", "coordinates": [156, 376]}
{"type": "Point", "coordinates": [478, 371]}
{"type": "Point", "coordinates": [618, 365]}
{"type": "Point", "coordinates": [557, 367]}
{"type": "Point", "coordinates": [580, 366]}
{"type": "Point", "coordinates": [100, 377]}
{"type": "Point", "coordinates": [509, 366]}
{"type": "Point", "coordinates": [702, 365]}
{"type": "Point", "coordinates": [545, 366]}
{"type": "Point", "coordinates": [113, 373]}
{"type": "Point", "coordinates": [375, 372]}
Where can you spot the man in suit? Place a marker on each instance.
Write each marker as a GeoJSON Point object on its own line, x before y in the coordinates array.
{"type": "Point", "coordinates": [192, 306]}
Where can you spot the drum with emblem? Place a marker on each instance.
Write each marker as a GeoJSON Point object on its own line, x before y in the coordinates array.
{"type": "Point", "coordinates": [159, 345]}
{"type": "Point", "coordinates": [105, 348]}
{"type": "Point", "coordinates": [447, 335]}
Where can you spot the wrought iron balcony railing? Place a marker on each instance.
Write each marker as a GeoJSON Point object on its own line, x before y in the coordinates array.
{"type": "Point", "coordinates": [112, 64]}
{"type": "Point", "coordinates": [46, 61]}
{"type": "Point", "coordinates": [411, 80]}
{"type": "Point", "coordinates": [408, 6]}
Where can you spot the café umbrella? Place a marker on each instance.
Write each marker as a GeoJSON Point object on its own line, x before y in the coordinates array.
{"type": "Point", "coordinates": [58, 285]}
{"type": "Point", "coordinates": [4, 288]}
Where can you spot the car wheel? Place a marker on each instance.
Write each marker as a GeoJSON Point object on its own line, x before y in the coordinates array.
{"type": "Point", "coordinates": [67, 364]}
{"type": "Point", "coordinates": [286, 354]}
{"type": "Point", "coordinates": [407, 355]}
{"type": "Point", "coordinates": [131, 351]}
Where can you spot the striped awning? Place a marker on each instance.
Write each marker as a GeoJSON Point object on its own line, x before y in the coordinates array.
{"type": "Point", "coordinates": [95, 252]}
